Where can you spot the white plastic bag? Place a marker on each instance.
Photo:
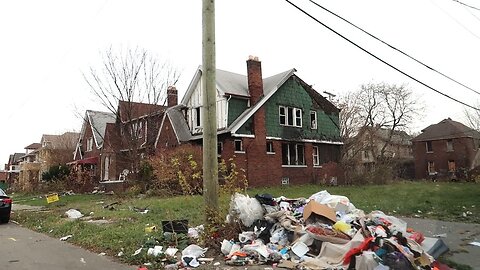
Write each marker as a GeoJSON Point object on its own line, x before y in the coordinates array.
{"type": "Point", "coordinates": [190, 255]}
{"type": "Point", "coordinates": [72, 213]}
{"type": "Point", "coordinates": [246, 209]}
{"type": "Point", "coordinates": [337, 202]}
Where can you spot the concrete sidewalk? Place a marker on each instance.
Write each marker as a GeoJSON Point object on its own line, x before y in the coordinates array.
{"type": "Point", "coordinates": [458, 237]}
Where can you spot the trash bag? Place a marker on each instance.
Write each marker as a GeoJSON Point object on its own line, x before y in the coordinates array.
{"type": "Point", "coordinates": [246, 209]}
{"type": "Point", "coordinates": [337, 202]}
{"type": "Point", "coordinates": [190, 255]}
{"type": "Point", "coordinates": [72, 213]}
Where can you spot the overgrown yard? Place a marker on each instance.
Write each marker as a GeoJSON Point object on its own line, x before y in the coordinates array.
{"type": "Point", "coordinates": [126, 232]}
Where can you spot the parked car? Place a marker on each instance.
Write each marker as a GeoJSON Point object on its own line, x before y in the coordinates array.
{"type": "Point", "coordinates": [5, 207]}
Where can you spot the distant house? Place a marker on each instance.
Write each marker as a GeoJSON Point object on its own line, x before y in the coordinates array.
{"type": "Point", "coordinates": [446, 150]}
{"type": "Point", "coordinates": [51, 151]}
{"type": "Point", "coordinates": [13, 167]}
{"type": "Point", "coordinates": [130, 138]}
{"type": "Point", "coordinates": [370, 141]}
{"type": "Point", "coordinates": [90, 142]}
{"type": "Point", "coordinates": [279, 129]}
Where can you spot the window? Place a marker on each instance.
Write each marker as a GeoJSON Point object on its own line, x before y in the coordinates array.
{"type": "Point", "coordinates": [238, 146]}
{"type": "Point", "coordinates": [316, 156]}
{"type": "Point", "coordinates": [219, 148]}
{"type": "Point", "coordinates": [90, 144]}
{"type": "Point", "coordinates": [451, 166]}
{"type": "Point", "coordinates": [429, 147]}
{"type": "Point", "coordinates": [196, 117]}
{"type": "Point", "coordinates": [293, 154]}
{"type": "Point", "coordinates": [290, 116]}
{"type": "Point", "coordinates": [449, 145]}
{"type": "Point", "coordinates": [431, 168]}
{"type": "Point", "coordinates": [270, 149]}
{"type": "Point", "coordinates": [313, 119]}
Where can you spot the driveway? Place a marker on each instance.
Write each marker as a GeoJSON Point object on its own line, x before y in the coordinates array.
{"type": "Point", "coordinates": [23, 249]}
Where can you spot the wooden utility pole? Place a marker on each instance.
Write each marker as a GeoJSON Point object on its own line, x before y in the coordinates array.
{"type": "Point", "coordinates": [209, 115]}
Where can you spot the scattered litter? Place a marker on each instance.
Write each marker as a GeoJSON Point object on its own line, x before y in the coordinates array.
{"type": "Point", "coordinates": [216, 263]}
{"type": "Point", "coordinates": [140, 210]}
{"type": "Point", "coordinates": [246, 209]}
{"type": "Point", "coordinates": [150, 229]}
{"type": "Point", "coordinates": [65, 238]}
{"type": "Point", "coordinates": [120, 254]}
{"type": "Point", "coordinates": [195, 232]}
{"type": "Point", "coordinates": [13, 239]}
{"type": "Point", "coordinates": [175, 226]}
{"type": "Point", "coordinates": [110, 206]}
{"type": "Point", "coordinates": [73, 214]}
{"type": "Point", "coordinates": [190, 255]}
{"type": "Point", "coordinates": [155, 251]}
{"type": "Point", "coordinates": [82, 260]}
{"type": "Point", "coordinates": [102, 254]}
{"type": "Point", "coordinates": [475, 244]}
{"type": "Point", "coordinates": [442, 235]}
{"type": "Point", "coordinates": [137, 251]}
{"type": "Point", "coordinates": [171, 251]}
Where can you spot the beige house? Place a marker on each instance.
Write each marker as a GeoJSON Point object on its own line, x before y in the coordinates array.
{"type": "Point", "coordinates": [39, 157]}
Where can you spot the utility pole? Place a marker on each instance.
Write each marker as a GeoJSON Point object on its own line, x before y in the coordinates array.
{"type": "Point", "coordinates": [209, 114]}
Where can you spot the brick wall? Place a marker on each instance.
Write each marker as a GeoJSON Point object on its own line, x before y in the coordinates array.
{"type": "Point", "coordinates": [463, 154]}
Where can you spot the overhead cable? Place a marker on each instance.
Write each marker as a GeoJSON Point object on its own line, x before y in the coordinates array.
{"type": "Point", "coordinates": [391, 46]}
{"type": "Point", "coordinates": [379, 59]}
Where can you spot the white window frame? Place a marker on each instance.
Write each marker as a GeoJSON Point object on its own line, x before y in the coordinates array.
{"type": "Point", "coordinates": [235, 146]}
{"type": "Point", "coordinates": [316, 156]}
{"type": "Point", "coordinates": [289, 113]}
{"type": "Point", "coordinates": [313, 121]}
{"type": "Point", "coordinates": [272, 150]}
{"type": "Point", "coordinates": [430, 172]}
{"type": "Point", "coordinates": [296, 162]}
{"type": "Point", "coordinates": [89, 144]}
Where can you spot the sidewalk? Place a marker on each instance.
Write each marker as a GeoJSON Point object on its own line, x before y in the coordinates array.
{"type": "Point", "coordinates": [458, 237]}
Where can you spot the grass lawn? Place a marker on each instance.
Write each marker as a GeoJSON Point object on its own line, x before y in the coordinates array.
{"type": "Point", "coordinates": [442, 201]}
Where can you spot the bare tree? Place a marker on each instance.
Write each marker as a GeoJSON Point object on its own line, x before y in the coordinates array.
{"type": "Point", "coordinates": [133, 75]}
{"type": "Point", "coordinates": [376, 107]}
{"type": "Point", "coordinates": [473, 117]}
{"type": "Point", "coordinates": [124, 79]}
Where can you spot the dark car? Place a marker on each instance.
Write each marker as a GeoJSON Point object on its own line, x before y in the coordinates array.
{"type": "Point", "coordinates": [5, 207]}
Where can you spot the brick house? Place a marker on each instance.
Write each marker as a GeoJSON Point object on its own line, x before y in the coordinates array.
{"type": "Point", "coordinates": [130, 138]}
{"type": "Point", "coordinates": [446, 150]}
{"type": "Point", "coordinates": [13, 167]}
{"type": "Point", "coordinates": [279, 129]}
{"type": "Point", "coordinates": [91, 142]}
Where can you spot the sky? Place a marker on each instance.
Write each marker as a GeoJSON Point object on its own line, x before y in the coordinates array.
{"type": "Point", "coordinates": [46, 46]}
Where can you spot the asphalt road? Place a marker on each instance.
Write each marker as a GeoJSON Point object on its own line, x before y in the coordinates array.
{"type": "Point", "coordinates": [23, 249]}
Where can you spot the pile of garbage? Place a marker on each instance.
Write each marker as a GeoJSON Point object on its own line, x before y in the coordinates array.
{"type": "Point", "coordinates": [322, 232]}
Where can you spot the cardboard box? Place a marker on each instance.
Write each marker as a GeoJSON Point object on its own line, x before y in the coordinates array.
{"type": "Point", "coordinates": [319, 209]}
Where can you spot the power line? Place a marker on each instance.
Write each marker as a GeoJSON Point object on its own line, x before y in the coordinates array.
{"type": "Point", "coordinates": [457, 21]}
{"type": "Point", "coordinates": [466, 4]}
{"type": "Point", "coordinates": [379, 59]}
{"type": "Point", "coordinates": [391, 46]}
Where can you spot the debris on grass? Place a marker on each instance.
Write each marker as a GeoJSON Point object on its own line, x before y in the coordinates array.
{"type": "Point", "coordinates": [65, 238]}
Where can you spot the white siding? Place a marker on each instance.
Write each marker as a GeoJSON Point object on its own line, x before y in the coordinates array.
{"type": "Point", "coordinates": [196, 100]}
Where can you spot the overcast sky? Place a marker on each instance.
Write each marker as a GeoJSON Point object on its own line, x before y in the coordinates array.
{"type": "Point", "coordinates": [46, 45]}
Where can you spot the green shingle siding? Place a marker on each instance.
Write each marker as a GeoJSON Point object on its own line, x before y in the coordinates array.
{"type": "Point", "coordinates": [237, 106]}
{"type": "Point", "coordinates": [292, 94]}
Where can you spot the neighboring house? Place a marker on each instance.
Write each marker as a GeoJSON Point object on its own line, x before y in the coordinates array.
{"type": "Point", "coordinates": [3, 179]}
{"type": "Point", "coordinates": [13, 167]}
{"type": "Point", "coordinates": [279, 129]}
{"type": "Point", "coordinates": [131, 138]}
{"type": "Point", "coordinates": [371, 140]}
{"type": "Point", "coordinates": [29, 175]}
{"type": "Point", "coordinates": [51, 151]}
{"type": "Point", "coordinates": [87, 154]}
{"type": "Point", "coordinates": [446, 150]}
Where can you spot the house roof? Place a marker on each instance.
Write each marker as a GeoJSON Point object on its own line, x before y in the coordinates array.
{"type": "Point", "coordinates": [446, 129]}
{"type": "Point", "coordinates": [14, 158]}
{"type": "Point", "coordinates": [33, 146]}
{"type": "Point", "coordinates": [66, 140]}
{"type": "Point", "coordinates": [133, 110]}
{"type": "Point", "coordinates": [98, 122]}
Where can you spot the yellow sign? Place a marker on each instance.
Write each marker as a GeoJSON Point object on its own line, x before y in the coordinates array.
{"type": "Point", "coordinates": [52, 198]}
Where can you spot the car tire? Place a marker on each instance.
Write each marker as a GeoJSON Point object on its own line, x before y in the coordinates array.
{"type": "Point", "coordinates": [5, 219]}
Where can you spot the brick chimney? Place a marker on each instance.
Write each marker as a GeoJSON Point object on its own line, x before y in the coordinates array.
{"type": "Point", "coordinates": [172, 96]}
{"type": "Point", "coordinates": [255, 81]}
